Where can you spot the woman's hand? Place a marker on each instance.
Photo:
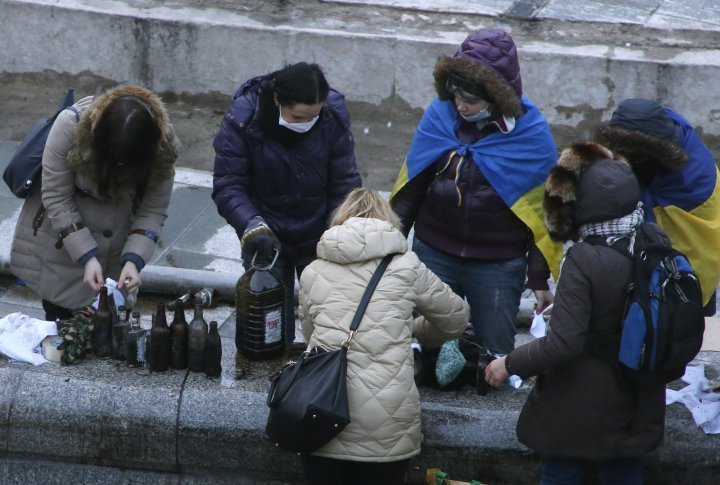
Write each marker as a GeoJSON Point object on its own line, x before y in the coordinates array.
{"type": "Point", "coordinates": [129, 278]}
{"type": "Point", "coordinates": [495, 373]}
{"type": "Point", "coordinates": [93, 274]}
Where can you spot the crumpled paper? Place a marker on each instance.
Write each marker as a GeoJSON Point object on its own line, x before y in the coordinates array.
{"type": "Point", "coordinates": [21, 336]}
{"type": "Point", "coordinates": [698, 398]}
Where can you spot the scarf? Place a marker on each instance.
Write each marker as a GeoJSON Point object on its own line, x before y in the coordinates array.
{"type": "Point", "coordinates": [615, 229]}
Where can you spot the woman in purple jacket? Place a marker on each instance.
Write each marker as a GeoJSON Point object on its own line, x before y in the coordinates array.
{"type": "Point", "coordinates": [472, 185]}
{"type": "Point", "coordinates": [284, 160]}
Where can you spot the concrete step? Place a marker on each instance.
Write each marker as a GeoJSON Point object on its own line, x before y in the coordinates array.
{"type": "Point", "coordinates": [578, 58]}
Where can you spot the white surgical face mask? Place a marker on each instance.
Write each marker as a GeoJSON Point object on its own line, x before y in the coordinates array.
{"type": "Point", "coordinates": [303, 127]}
{"type": "Point", "coordinates": [479, 116]}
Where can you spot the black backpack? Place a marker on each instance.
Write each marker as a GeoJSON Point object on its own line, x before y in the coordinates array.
{"type": "Point", "coordinates": [663, 325]}
{"type": "Point", "coordinates": [23, 169]}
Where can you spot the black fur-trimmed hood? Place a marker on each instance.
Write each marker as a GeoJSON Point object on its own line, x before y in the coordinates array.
{"type": "Point", "coordinates": [641, 130]}
{"type": "Point", "coordinates": [83, 159]}
{"type": "Point", "coordinates": [588, 184]}
{"type": "Point", "coordinates": [488, 57]}
{"type": "Point", "coordinates": [647, 155]}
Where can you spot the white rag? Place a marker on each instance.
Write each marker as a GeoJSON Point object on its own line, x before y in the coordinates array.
{"type": "Point", "coordinates": [703, 404]}
{"type": "Point", "coordinates": [21, 336]}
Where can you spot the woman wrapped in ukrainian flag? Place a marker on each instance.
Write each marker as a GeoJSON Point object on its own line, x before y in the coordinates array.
{"type": "Point", "coordinates": [679, 181]}
{"type": "Point", "coordinates": [472, 185]}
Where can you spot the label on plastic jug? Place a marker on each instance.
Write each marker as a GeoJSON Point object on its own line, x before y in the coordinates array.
{"type": "Point", "coordinates": [272, 326]}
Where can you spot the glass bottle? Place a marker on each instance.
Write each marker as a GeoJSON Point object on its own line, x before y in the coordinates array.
{"type": "Point", "coordinates": [179, 338]}
{"type": "Point", "coordinates": [208, 296]}
{"type": "Point", "coordinates": [196, 339]}
{"type": "Point", "coordinates": [184, 298]}
{"type": "Point", "coordinates": [213, 352]}
{"type": "Point", "coordinates": [148, 342]}
{"type": "Point", "coordinates": [112, 307]}
{"type": "Point", "coordinates": [102, 326]}
{"type": "Point", "coordinates": [159, 346]}
{"type": "Point", "coordinates": [135, 348]}
{"type": "Point", "coordinates": [119, 334]}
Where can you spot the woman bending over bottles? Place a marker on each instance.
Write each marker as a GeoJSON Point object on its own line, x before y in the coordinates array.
{"type": "Point", "coordinates": [107, 177]}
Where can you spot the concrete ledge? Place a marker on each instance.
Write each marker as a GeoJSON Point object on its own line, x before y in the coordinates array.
{"type": "Point", "coordinates": [182, 426]}
{"type": "Point", "coordinates": [575, 72]}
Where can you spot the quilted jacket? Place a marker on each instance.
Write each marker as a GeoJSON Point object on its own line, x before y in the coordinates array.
{"type": "Point", "coordinates": [293, 190]}
{"type": "Point", "coordinates": [384, 402]}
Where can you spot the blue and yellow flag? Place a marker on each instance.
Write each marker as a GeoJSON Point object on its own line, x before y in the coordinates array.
{"type": "Point", "coordinates": [686, 203]}
{"type": "Point", "coordinates": [516, 164]}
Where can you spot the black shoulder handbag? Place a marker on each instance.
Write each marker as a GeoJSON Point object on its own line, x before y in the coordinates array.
{"type": "Point", "coordinates": [308, 398]}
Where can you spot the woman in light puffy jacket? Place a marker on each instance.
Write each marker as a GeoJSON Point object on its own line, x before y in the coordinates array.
{"type": "Point", "coordinates": [384, 432]}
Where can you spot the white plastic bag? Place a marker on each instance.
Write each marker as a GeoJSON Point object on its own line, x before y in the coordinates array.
{"type": "Point", "coordinates": [539, 324]}
{"type": "Point", "coordinates": [121, 296]}
{"type": "Point", "coordinates": [21, 336]}
{"type": "Point", "coordinates": [515, 381]}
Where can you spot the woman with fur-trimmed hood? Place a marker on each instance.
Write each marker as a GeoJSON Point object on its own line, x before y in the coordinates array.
{"type": "Point", "coordinates": [679, 181]}
{"type": "Point", "coordinates": [472, 186]}
{"type": "Point", "coordinates": [580, 410]}
{"type": "Point", "coordinates": [107, 177]}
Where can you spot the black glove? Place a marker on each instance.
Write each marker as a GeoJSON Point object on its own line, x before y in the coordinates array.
{"type": "Point", "coordinates": [258, 238]}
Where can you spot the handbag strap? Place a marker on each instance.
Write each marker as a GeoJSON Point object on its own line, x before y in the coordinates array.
{"type": "Point", "coordinates": [366, 297]}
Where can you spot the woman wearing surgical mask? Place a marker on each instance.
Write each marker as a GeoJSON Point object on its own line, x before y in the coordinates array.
{"type": "Point", "coordinates": [284, 160]}
{"type": "Point", "coordinates": [472, 187]}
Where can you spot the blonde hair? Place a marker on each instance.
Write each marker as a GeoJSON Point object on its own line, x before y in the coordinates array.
{"type": "Point", "coordinates": [363, 202]}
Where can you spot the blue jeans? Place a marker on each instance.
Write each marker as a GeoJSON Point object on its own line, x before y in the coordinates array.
{"type": "Point", "coordinates": [492, 289]}
{"type": "Point", "coordinates": [569, 471]}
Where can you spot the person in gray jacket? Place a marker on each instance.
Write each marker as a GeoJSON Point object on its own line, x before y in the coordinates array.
{"type": "Point", "coordinates": [107, 177]}
{"type": "Point", "coordinates": [384, 432]}
{"type": "Point", "coordinates": [581, 411]}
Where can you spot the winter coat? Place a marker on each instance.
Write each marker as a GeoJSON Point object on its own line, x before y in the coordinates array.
{"type": "Point", "coordinates": [293, 190]}
{"type": "Point", "coordinates": [50, 265]}
{"type": "Point", "coordinates": [580, 407]}
{"type": "Point", "coordinates": [383, 399]}
{"type": "Point", "coordinates": [453, 202]}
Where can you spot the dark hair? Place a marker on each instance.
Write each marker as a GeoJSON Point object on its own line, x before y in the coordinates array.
{"type": "Point", "coordinates": [300, 83]}
{"type": "Point", "coordinates": [125, 139]}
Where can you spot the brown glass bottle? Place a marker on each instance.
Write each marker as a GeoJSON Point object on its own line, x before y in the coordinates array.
{"type": "Point", "coordinates": [160, 341]}
{"type": "Point", "coordinates": [102, 326]}
{"type": "Point", "coordinates": [196, 339]}
{"type": "Point", "coordinates": [179, 330]}
{"type": "Point", "coordinates": [213, 352]}
{"type": "Point", "coordinates": [112, 307]}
